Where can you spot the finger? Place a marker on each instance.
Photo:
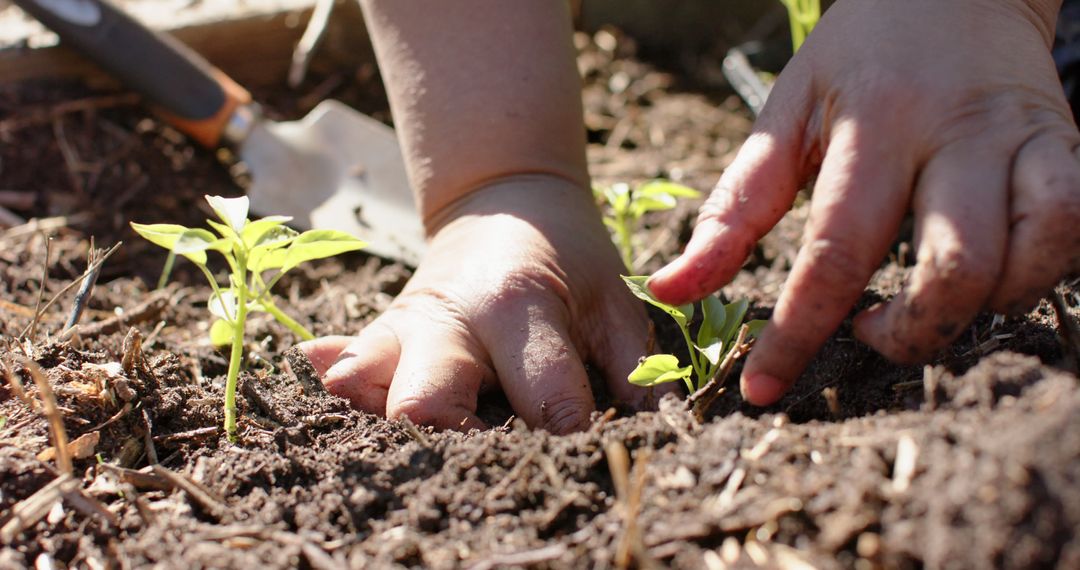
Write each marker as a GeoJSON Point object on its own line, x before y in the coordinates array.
{"type": "Point", "coordinates": [617, 348]}
{"type": "Point", "coordinates": [857, 207]}
{"type": "Point", "coordinates": [438, 378]}
{"type": "Point", "coordinates": [323, 352]}
{"type": "Point", "coordinates": [536, 361]}
{"type": "Point", "coordinates": [751, 197]}
{"type": "Point", "coordinates": [1044, 242]}
{"type": "Point", "coordinates": [363, 369]}
{"type": "Point", "coordinates": [961, 225]}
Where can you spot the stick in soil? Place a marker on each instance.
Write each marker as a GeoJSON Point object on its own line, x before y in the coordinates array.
{"type": "Point", "coordinates": [41, 286]}
{"type": "Point", "coordinates": [86, 290]}
{"type": "Point", "coordinates": [50, 410]}
{"type": "Point", "coordinates": [703, 399]}
{"type": "Point", "coordinates": [628, 491]}
{"type": "Point", "coordinates": [77, 280]}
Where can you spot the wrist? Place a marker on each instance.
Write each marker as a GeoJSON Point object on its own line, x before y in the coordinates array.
{"type": "Point", "coordinates": [547, 201]}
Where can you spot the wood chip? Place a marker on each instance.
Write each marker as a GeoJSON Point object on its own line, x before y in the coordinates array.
{"type": "Point", "coordinates": [81, 448]}
{"type": "Point", "coordinates": [907, 453]}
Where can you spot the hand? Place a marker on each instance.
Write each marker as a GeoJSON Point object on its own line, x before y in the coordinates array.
{"type": "Point", "coordinates": [950, 109]}
{"type": "Point", "coordinates": [518, 289]}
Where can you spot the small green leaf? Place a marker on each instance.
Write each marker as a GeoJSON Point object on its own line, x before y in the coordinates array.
{"type": "Point", "coordinates": [735, 313]}
{"type": "Point", "coordinates": [643, 205]}
{"type": "Point", "coordinates": [232, 211]}
{"type": "Point", "coordinates": [317, 244]}
{"type": "Point", "coordinates": [658, 369]}
{"type": "Point", "coordinates": [755, 326]}
{"type": "Point", "coordinates": [221, 333]}
{"type": "Point", "coordinates": [268, 252]}
{"type": "Point", "coordinates": [225, 306]}
{"type": "Point", "coordinates": [713, 316]}
{"type": "Point", "coordinates": [225, 231]}
{"type": "Point", "coordinates": [193, 244]}
{"type": "Point", "coordinates": [254, 232]}
{"type": "Point", "coordinates": [666, 188]}
{"type": "Point", "coordinates": [682, 314]}
{"type": "Point", "coordinates": [713, 351]}
{"type": "Point", "coordinates": [618, 195]}
{"type": "Point", "coordinates": [164, 235]}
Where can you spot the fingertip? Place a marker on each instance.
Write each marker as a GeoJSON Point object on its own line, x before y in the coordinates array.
{"type": "Point", "coordinates": [762, 389]}
{"type": "Point", "coordinates": [323, 352]}
{"type": "Point", "coordinates": [713, 255]}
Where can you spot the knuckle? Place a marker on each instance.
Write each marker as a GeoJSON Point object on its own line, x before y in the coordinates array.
{"type": "Point", "coordinates": [957, 270]}
{"type": "Point", "coordinates": [565, 414]}
{"type": "Point", "coordinates": [421, 411]}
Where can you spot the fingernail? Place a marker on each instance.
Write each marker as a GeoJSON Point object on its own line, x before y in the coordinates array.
{"type": "Point", "coordinates": [762, 389]}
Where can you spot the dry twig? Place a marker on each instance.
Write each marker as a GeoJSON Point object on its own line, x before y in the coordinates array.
{"type": "Point", "coordinates": [49, 409]}
{"type": "Point", "coordinates": [41, 286]}
{"type": "Point", "coordinates": [704, 398]}
{"type": "Point", "coordinates": [97, 264]}
{"type": "Point", "coordinates": [52, 112]}
{"type": "Point", "coordinates": [214, 505]}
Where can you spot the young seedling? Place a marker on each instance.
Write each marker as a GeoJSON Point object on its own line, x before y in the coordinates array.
{"type": "Point", "coordinates": [803, 16]}
{"type": "Point", "coordinates": [715, 338]}
{"type": "Point", "coordinates": [259, 253]}
{"type": "Point", "coordinates": [625, 207]}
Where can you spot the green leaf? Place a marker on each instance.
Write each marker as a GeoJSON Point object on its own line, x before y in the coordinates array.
{"type": "Point", "coordinates": [713, 316]}
{"type": "Point", "coordinates": [317, 244]}
{"type": "Point", "coordinates": [225, 231]}
{"type": "Point", "coordinates": [755, 326]}
{"type": "Point", "coordinates": [225, 306]}
{"type": "Point", "coordinates": [682, 314]}
{"type": "Point", "coordinates": [232, 211]}
{"type": "Point", "coordinates": [735, 313]}
{"type": "Point", "coordinates": [257, 232]}
{"type": "Point", "coordinates": [221, 333]}
{"type": "Point", "coordinates": [713, 351]}
{"type": "Point", "coordinates": [164, 235]}
{"type": "Point", "coordinates": [193, 244]}
{"type": "Point", "coordinates": [658, 369]}
{"type": "Point", "coordinates": [618, 195]}
{"type": "Point", "coordinates": [643, 205]}
{"type": "Point", "coordinates": [666, 188]}
{"type": "Point", "coordinates": [268, 252]}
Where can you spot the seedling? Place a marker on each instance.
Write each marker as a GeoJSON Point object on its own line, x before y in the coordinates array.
{"type": "Point", "coordinates": [803, 16]}
{"type": "Point", "coordinates": [715, 337]}
{"type": "Point", "coordinates": [625, 207]}
{"type": "Point", "coordinates": [254, 250]}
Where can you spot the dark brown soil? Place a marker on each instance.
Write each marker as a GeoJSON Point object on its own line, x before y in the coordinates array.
{"type": "Point", "coordinates": [973, 462]}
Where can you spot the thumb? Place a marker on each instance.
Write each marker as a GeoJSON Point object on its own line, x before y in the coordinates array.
{"type": "Point", "coordinates": [751, 197]}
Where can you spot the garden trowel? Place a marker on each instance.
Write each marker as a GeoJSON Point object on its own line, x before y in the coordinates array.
{"type": "Point", "coordinates": [333, 169]}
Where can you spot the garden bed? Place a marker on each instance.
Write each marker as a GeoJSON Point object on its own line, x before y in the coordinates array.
{"type": "Point", "coordinates": [972, 462]}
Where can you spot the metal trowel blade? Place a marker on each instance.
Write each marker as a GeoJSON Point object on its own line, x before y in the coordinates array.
{"type": "Point", "coordinates": [336, 169]}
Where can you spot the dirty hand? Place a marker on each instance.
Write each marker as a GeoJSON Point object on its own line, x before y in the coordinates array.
{"type": "Point", "coordinates": [520, 288]}
{"type": "Point", "coordinates": [950, 109]}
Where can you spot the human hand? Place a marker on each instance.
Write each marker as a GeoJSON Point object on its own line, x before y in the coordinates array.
{"type": "Point", "coordinates": [952, 109]}
{"type": "Point", "coordinates": [518, 289]}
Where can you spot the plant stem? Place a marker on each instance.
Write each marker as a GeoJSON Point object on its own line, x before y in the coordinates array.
{"type": "Point", "coordinates": [694, 361]}
{"type": "Point", "coordinates": [167, 270]}
{"type": "Point", "coordinates": [286, 320]}
{"type": "Point", "coordinates": [235, 357]}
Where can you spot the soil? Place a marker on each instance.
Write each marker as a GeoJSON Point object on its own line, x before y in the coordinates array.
{"type": "Point", "coordinates": [973, 461]}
